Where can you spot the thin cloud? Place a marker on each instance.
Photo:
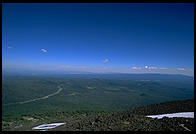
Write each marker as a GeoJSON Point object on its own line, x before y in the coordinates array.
{"type": "Point", "coordinates": [9, 47]}
{"type": "Point", "coordinates": [105, 68]}
{"type": "Point", "coordinates": [163, 68]}
{"type": "Point", "coordinates": [181, 69]}
{"type": "Point", "coordinates": [44, 50]}
{"type": "Point", "coordinates": [149, 67]}
{"type": "Point", "coordinates": [136, 68]}
{"type": "Point", "coordinates": [106, 61]}
{"type": "Point", "coordinates": [152, 67]}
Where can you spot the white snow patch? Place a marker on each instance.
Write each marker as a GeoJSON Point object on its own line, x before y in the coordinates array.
{"type": "Point", "coordinates": [183, 114]}
{"type": "Point", "coordinates": [48, 126]}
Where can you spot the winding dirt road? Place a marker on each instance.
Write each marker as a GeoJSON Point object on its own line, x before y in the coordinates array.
{"type": "Point", "coordinates": [42, 98]}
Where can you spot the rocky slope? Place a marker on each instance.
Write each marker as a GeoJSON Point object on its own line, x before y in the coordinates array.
{"type": "Point", "coordinates": [136, 120]}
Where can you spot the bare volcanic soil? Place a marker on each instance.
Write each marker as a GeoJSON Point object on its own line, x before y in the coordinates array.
{"type": "Point", "coordinates": [136, 120]}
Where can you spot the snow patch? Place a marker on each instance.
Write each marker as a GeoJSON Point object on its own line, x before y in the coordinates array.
{"type": "Point", "coordinates": [183, 114]}
{"type": "Point", "coordinates": [48, 126]}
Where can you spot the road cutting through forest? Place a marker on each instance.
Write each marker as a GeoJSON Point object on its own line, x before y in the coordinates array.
{"type": "Point", "coordinates": [42, 98]}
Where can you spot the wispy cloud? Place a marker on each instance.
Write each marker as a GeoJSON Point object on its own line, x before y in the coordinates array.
{"type": "Point", "coordinates": [181, 69]}
{"type": "Point", "coordinates": [152, 68]}
{"type": "Point", "coordinates": [106, 60]}
{"type": "Point", "coordinates": [44, 50]}
{"type": "Point", "coordinates": [163, 68]}
{"type": "Point", "coordinates": [64, 66]}
{"type": "Point", "coordinates": [9, 47]}
{"type": "Point", "coordinates": [136, 68]}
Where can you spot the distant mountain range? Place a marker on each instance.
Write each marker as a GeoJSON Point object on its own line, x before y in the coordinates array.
{"type": "Point", "coordinates": [110, 75]}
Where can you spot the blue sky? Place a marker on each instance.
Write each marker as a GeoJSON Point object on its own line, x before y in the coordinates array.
{"type": "Point", "coordinates": [98, 37]}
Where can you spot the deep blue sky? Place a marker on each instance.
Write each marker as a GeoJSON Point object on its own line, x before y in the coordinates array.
{"type": "Point", "coordinates": [84, 35]}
